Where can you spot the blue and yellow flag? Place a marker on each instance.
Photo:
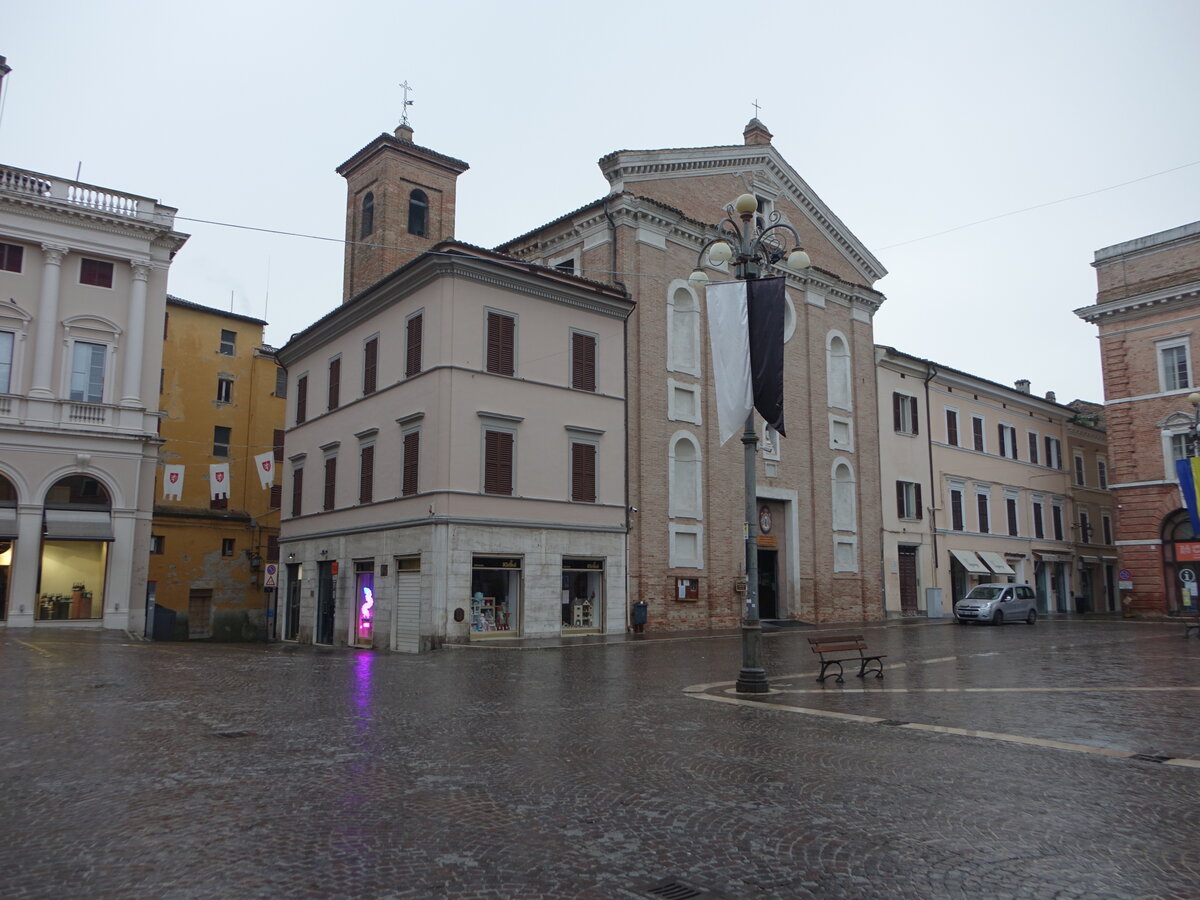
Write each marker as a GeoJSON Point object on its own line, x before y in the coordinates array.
{"type": "Point", "coordinates": [1188, 471]}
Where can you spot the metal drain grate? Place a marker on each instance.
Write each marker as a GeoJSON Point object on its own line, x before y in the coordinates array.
{"type": "Point", "coordinates": [675, 890]}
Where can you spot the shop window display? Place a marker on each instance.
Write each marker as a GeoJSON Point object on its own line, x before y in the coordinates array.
{"type": "Point", "coordinates": [364, 611]}
{"type": "Point", "coordinates": [72, 585]}
{"type": "Point", "coordinates": [582, 593]}
{"type": "Point", "coordinates": [495, 591]}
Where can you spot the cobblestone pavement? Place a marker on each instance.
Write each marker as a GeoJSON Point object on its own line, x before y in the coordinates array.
{"type": "Point", "coordinates": [1031, 766]}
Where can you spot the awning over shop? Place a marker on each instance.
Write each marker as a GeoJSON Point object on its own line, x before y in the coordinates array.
{"type": "Point", "coordinates": [78, 525]}
{"type": "Point", "coordinates": [8, 523]}
{"type": "Point", "coordinates": [996, 563]}
{"type": "Point", "coordinates": [1043, 556]}
{"type": "Point", "coordinates": [970, 562]}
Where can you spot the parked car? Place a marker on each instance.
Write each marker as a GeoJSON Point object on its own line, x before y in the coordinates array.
{"type": "Point", "coordinates": [997, 604]}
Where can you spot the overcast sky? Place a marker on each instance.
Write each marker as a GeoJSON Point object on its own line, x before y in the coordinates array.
{"type": "Point", "coordinates": [908, 119]}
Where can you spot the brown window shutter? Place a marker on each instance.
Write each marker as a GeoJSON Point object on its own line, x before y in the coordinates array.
{"type": "Point", "coordinates": [412, 457]}
{"type": "Point", "coordinates": [896, 398]}
{"type": "Point", "coordinates": [917, 496]}
{"type": "Point", "coordinates": [301, 399]}
{"type": "Point", "coordinates": [912, 409]}
{"type": "Point", "coordinates": [272, 548]}
{"type": "Point", "coordinates": [335, 381]}
{"type": "Point", "coordinates": [583, 473]}
{"type": "Point", "coordinates": [370, 363]}
{"type": "Point", "coordinates": [497, 464]}
{"type": "Point", "coordinates": [366, 474]}
{"type": "Point", "coordinates": [276, 496]}
{"type": "Point", "coordinates": [900, 510]}
{"type": "Point", "coordinates": [297, 490]}
{"type": "Point", "coordinates": [330, 481]}
{"type": "Point", "coordinates": [500, 353]}
{"type": "Point", "coordinates": [583, 362]}
{"type": "Point", "coordinates": [952, 427]}
{"type": "Point", "coordinates": [277, 442]}
{"type": "Point", "coordinates": [412, 360]}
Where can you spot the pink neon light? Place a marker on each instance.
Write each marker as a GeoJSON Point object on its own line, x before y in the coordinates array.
{"type": "Point", "coordinates": [364, 611]}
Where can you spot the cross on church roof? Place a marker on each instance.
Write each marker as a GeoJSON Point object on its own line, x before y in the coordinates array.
{"type": "Point", "coordinates": [756, 107]}
{"type": "Point", "coordinates": [407, 103]}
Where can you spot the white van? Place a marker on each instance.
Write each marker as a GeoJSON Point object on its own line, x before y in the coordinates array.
{"type": "Point", "coordinates": [997, 604]}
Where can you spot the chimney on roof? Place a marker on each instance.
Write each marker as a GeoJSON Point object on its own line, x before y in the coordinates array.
{"type": "Point", "coordinates": [404, 132]}
{"type": "Point", "coordinates": [1022, 385]}
{"type": "Point", "coordinates": [756, 133]}
{"type": "Point", "coordinates": [1050, 395]}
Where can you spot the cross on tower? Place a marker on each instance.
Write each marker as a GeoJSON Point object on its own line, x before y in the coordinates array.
{"type": "Point", "coordinates": [407, 103]}
{"type": "Point", "coordinates": [756, 107]}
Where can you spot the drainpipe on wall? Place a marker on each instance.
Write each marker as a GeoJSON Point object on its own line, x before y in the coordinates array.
{"type": "Point", "coordinates": [930, 374]}
{"type": "Point", "coordinates": [612, 240]}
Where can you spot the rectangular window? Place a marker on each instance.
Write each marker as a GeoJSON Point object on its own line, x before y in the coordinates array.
{"type": "Point", "coordinates": [330, 482]}
{"type": "Point", "coordinates": [297, 490]}
{"type": "Point", "coordinates": [221, 438]}
{"type": "Point", "coordinates": [277, 443]}
{"type": "Point", "coordinates": [301, 399]}
{"type": "Point", "coordinates": [952, 427]}
{"type": "Point", "coordinates": [956, 510]}
{"type": "Point", "coordinates": [166, 323]}
{"type": "Point", "coordinates": [11, 257]}
{"type": "Point", "coordinates": [411, 463]}
{"type": "Point", "coordinates": [1102, 474]}
{"type": "Point", "coordinates": [413, 330]}
{"type": "Point", "coordinates": [977, 432]}
{"type": "Point", "coordinates": [583, 361]}
{"type": "Point", "coordinates": [224, 390]}
{"type": "Point", "coordinates": [981, 507]}
{"type": "Point", "coordinates": [218, 503]}
{"type": "Point", "coordinates": [366, 474]}
{"type": "Point", "coordinates": [1033, 447]}
{"type": "Point", "coordinates": [1039, 529]}
{"type": "Point", "coordinates": [1085, 528]}
{"type": "Point", "coordinates": [7, 342]}
{"type": "Point", "coordinates": [1079, 475]}
{"type": "Point", "coordinates": [370, 364]}
{"type": "Point", "coordinates": [1174, 367]}
{"type": "Point", "coordinates": [87, 372]}
{"type": "Point", "coordinates": [228, 344]}
{"type": "Point", "coordinates": [96, 272]}
{"type": "Point", "coordinates": [1106, 524]}
{"type": "Point", "coordinates": [280, 381]}
{"type": "Point", "coordinates": [335, 382]}
{"type": "Point", "coordinates": [1053, 453]}
{"type": "Point", "coordinates": [276, 501]}
{"type": "Point", "coordinates": [908, 500]}
{"type": "Point", "coordinates": [498, 462]}
{"type": "Point", "coordinates": [1056, 515]}
{"type": "Point", "coordinates": [501, 344]}
{"type": "Point", "coordinates": [1010, 504]}
{"type": "Point", "coordinates": [1008, 440]}
{"type": "Point", "coordinates": [157, 544]}
{"type": "Point", "coordinates": [583, 472]}
{"type": "Point", "coordinates": [1179, 447]}
{"type": "Point", "coordinates": [904, 413]}
{"type": "Point", "coordinates": [227, 545]}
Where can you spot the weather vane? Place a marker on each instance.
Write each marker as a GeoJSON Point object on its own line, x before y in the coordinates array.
{"type": "Point", "coordinates": [407, 103]}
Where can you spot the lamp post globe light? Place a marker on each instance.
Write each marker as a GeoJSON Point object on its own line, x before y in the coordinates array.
{"type": "Point", "coordinates": [751, 246]}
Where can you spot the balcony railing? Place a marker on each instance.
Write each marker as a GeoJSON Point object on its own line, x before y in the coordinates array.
{"type": "Point", "coordinates": [77, 194]}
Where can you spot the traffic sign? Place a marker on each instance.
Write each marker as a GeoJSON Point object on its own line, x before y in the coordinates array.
{"type": "Point", "coordinates": [1187, 576]}
{"type": "Point", "coordinates": [271, 577]}
{"type": "Point", "coordinates": [1125, 575]}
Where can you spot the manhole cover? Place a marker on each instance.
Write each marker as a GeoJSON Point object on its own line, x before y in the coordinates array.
{"type": "Point", "coordinates": [675, 890]}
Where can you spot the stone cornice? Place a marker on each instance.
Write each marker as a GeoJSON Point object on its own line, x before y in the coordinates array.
{"type": "Point", "coordinates": [158, 233]}
{"type": "Point", "coordinates": [1114, 310]}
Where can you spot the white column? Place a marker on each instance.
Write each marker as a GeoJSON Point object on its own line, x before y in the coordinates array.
{"type": "Point", "coordinates": [135, 334]}
{"type": "Point", "coordinates": [47, 322]}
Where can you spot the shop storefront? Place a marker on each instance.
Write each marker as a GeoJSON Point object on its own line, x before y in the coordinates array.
{"type": "Point", "coordinates": [582, 595]}
{"type": "Point", "coordinates": [364, 602]}
{"type": "Point", "coordinates": [495, 596]}
{"type": "Point", "coordinates": [1181, 565]}
{"type": "Point", "coordinates": [8, 536]}
{"type": "Point", "coordinates": [78, 530]}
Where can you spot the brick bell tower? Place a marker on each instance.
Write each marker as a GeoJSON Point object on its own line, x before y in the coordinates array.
{"type": "Point", "coordinates": [399, 203]}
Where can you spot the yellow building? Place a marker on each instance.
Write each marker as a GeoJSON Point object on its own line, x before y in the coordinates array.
{"type": "Point", "coordinates": [211, 556]}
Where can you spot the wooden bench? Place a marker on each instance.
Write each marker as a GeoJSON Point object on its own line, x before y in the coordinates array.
{"type": "Point", "coordinates": [844, 648]}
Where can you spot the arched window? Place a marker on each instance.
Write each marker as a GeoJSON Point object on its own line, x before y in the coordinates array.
{"type": "Point", "coordinates": [418, 212]}
{"type": "Point", "coordinates": [77, 528]}
{"type": "Point", "coordinates": [683, 331]}
{"type": "Point", "coordinates": [844, 518]}
{"type": "Point", "coordinates": [368, 215]}
{"type": "Point", "coordinates": [837, 371]}
{"type": "Point", "coordinates": [684, 466]}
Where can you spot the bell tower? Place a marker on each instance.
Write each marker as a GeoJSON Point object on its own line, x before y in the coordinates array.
{"type": "Point", "coordinates": [399, 203]}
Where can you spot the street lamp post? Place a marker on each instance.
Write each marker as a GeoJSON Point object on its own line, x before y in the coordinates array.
{"type": "Point", "coordinates": [751, 249]}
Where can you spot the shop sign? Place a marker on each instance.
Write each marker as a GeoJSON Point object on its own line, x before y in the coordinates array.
{"type": "Point", "coordinates": [496, 562]}
{"type": "Point", "coordinates": [590, 564]}
{"type": "Point", "coordinates": [1188, 552]}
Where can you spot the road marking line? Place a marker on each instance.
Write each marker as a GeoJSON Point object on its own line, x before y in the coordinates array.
{"type": "Point", "coordinates": [944, 729]}
{"type": "Point", "coordinates": [35, 648]}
